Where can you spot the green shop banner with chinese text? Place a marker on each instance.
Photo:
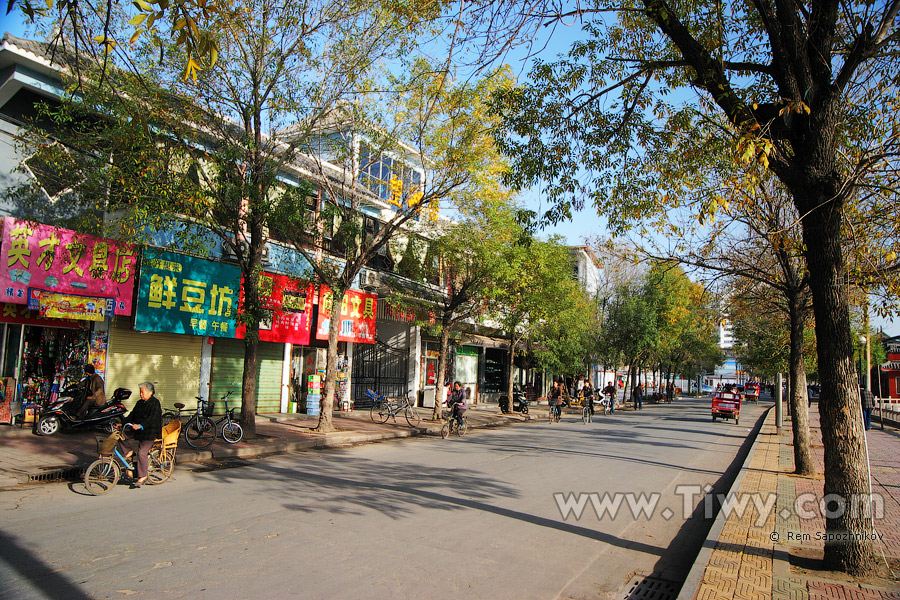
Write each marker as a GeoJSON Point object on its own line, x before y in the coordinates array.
{"type": "Point", "coordinates": [184, 294]}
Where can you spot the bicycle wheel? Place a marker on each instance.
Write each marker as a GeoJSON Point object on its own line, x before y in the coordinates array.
{"type": "Point", "coordinates": [101, 476]}
{"type": "Point", "coordinates": [168, 417]}
{"type": "Point", "coordinates": [445, 431]}
{"type": "Point", "coordinates": [200, 432]}
{"type": "Point", "coordinates": [585, 414]}
{"type": "Point", "coordinates": [380, 413]}
{"type": "Point", "coordinates": [412, 415]}
{"type": "Point", "coordinates": [232, 432]}
{"type": "Point", "coordinates": [462, 427]}
{"type": "Point", "coordinates": [158, 470]}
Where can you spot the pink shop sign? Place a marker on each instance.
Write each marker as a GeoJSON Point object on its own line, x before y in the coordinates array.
{"type": "Point", "coordinates": [64, 261]}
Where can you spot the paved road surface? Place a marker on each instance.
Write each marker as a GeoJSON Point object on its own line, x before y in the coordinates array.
{"type": "Point", "coordinates": [471, 517]}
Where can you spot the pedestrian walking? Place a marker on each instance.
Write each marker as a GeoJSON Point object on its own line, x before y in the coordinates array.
{"type": "Point", "coordinates": [637, 397]}
{"type": "Point", "coordinates": [868, 403]}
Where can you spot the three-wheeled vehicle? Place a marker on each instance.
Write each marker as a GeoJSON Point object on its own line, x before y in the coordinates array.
{"type": "Point", "coordinates": [751, 389]}
{"type": "Point", "coordinates": [726, 405]}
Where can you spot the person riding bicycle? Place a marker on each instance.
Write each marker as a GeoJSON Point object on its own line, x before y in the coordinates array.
{"type": "Point", "coordinates": [555, 399]}
{"type": "Point", "coordinates": [588, 391]}
{"type": "Point", "coordinates": [610, 390]}
{"type": "Point", "coordinates": [457, 402]}
{"type": "Point", "coordinates": [144, 424]}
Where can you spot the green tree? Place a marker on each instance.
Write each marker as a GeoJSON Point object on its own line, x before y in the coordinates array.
{"type": "Point", "coordinates": [805, 90]}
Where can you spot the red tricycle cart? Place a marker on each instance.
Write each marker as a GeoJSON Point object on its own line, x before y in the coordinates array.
{"type": "Point", "coordinates": [752, 392]}
{"type": "Point", "coordinates": [726, 405]}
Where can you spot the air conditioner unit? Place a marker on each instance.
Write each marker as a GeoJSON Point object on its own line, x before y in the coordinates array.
{"type": "Point", "coordinates": [369, 278]}
{"type": "Point", "coordinates": [265, 254]}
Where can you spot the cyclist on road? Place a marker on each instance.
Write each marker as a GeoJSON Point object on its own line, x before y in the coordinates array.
{"type": "Point", "coordinates": [588, 391]}
{"type": "Point", "coordinates": [457, 402]}
{"type": "Point", "coordinates": [610, 390]}
{"type": "Point", "coordinates": [554, 398]}
{"type": "Point", "coordinates": [144, 424]}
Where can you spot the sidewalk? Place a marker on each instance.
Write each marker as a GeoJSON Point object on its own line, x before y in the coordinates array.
{"type": "Point", "coordinates": [25, 457]}
{"type": "Point", "coordinates": [781, 559]}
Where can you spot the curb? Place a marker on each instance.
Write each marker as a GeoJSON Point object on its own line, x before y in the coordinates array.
{"type": "Point", "coordinates": [695, 576]}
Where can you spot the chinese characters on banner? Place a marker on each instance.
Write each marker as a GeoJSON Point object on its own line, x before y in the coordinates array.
{"type": "Point", "coordinates": [20, 313]}
{"type": "Point", "coordinates": [291, 303]}
{"type": "Point", "coordinates": [183, 294]}
{"type": "Point", "coordinates": [357, 316]}
{"type": "Point", "coordinates": [61, 261]}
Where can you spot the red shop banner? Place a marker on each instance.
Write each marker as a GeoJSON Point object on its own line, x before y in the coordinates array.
{"type": "Point", "coordinates": [357, 316]}
{"type": "Point", "coordinates": [20, 313]}
{"type": "Point", "coordinates": [291, 303]}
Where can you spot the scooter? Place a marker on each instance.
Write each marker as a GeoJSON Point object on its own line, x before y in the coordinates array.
{"type": "Point", "coordinates": [61, 413]}
{"type": "Point", "coordinates": [520, 404]}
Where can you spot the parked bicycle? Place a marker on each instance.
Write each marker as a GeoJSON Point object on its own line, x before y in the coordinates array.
{"type": "Point", "coordinates": [385, 408]}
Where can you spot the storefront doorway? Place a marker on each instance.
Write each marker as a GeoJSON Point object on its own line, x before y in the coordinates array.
{"type": "Point", "coordinates": [43, 360]}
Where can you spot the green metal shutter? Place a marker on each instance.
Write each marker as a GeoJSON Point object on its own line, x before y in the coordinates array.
{"type": "Point", "coordinates": [228, 371]}
{"type": "Point", "coordinates": [171, 362]}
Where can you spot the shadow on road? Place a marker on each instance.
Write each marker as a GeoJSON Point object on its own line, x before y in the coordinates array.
{"type": "Point", "coordinates": [43, 577]}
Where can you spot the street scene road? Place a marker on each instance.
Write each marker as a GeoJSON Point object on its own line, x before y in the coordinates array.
{"type": "Point", "coordinates": [474, 517]}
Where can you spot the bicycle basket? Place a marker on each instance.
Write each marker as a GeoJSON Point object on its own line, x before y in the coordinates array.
{"type": "Point", "coordinates": [206, 408]}
{"type": "Point", "coordinates": [106, 446]}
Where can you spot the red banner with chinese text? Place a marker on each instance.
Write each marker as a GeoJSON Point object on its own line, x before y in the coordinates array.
{"type": "Point", "coordinates": [357, 316]}
{"type": "Point", "coordinates": [20, 313]}
{"type": "Point", "coordinates": [291, 303]}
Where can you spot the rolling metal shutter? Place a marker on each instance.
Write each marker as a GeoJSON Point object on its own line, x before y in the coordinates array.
{"type": "Point", "coordinates": [228, 372]}
{"type": "Point", "coordinates": [171, 362]}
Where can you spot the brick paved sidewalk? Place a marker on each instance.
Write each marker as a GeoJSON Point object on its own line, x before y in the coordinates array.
{"type": "Point", "coordinates": [777, 556]}
{"type": "Point", "coordinates": [27, 457]}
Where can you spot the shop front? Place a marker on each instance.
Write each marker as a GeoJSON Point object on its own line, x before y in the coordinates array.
{"type": "Point", "coordinates": [185, 305]}
{"type": "Point", "coordinates": [283, 348]}
{"type": "Point", "coordinates": [358, 313]}
{"type": "Point", "coordinates": [58, 291]}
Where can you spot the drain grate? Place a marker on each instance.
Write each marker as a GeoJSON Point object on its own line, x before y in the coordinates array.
{"type": "Point", "coordinates": [651, 588]}
{"type": "Point", "coordinates": [60, 474]}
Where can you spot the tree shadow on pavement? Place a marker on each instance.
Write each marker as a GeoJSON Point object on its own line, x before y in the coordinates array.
{"type": "Point", "coordinates": [16, 559]}
{"type": "Point", "coordinates": [396, 490]}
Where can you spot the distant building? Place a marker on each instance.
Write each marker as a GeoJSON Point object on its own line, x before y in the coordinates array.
{"type": "Point", "coordinates": [585, 269]}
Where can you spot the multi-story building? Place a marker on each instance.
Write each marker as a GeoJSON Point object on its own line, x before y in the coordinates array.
{"type": "Point", "coordinates": [172, 320]}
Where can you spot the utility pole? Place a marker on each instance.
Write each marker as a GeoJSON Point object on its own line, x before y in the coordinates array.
{"type": "Point", "coordinates": [779, 409]}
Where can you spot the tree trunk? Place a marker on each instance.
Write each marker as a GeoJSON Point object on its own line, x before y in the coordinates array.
{"type": "Point", "coordinates": [846, 475]}
{"type": "Point", "coordinates": [439, 391]}
{"type": "Point", "coordinates": [248, 385]}
{"type": "Point", "coordinates": [510, 372]}
{"type": "Point", "coordinates": [326, 412]}
{"type": "Point", "coordinates": [803, 461]}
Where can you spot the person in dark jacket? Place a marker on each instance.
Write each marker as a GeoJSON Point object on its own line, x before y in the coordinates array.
{"type": "Point", "coordinates": [144, 424]}
{"type": "Point", "coordinates": [868, 403]}
{"type": "Point", "coordinates": [457, 401]}
{"type": "Point", "coordinates": [93, 390]}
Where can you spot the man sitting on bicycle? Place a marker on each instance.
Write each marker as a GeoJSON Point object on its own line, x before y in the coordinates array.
{"type": "Point", "coordinates": [457, 402]}
{"type": "Point", "coordinates": [610, 390]}
{"type": "Point", "coordinates": [554, 399]}
{"type": "Point", "coordinates": [588, 391]}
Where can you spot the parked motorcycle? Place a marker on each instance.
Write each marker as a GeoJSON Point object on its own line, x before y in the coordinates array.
{"type": "Point", "coordinates": [61, 413]}
{"type": "Point", "coordinates": [520, 404]}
